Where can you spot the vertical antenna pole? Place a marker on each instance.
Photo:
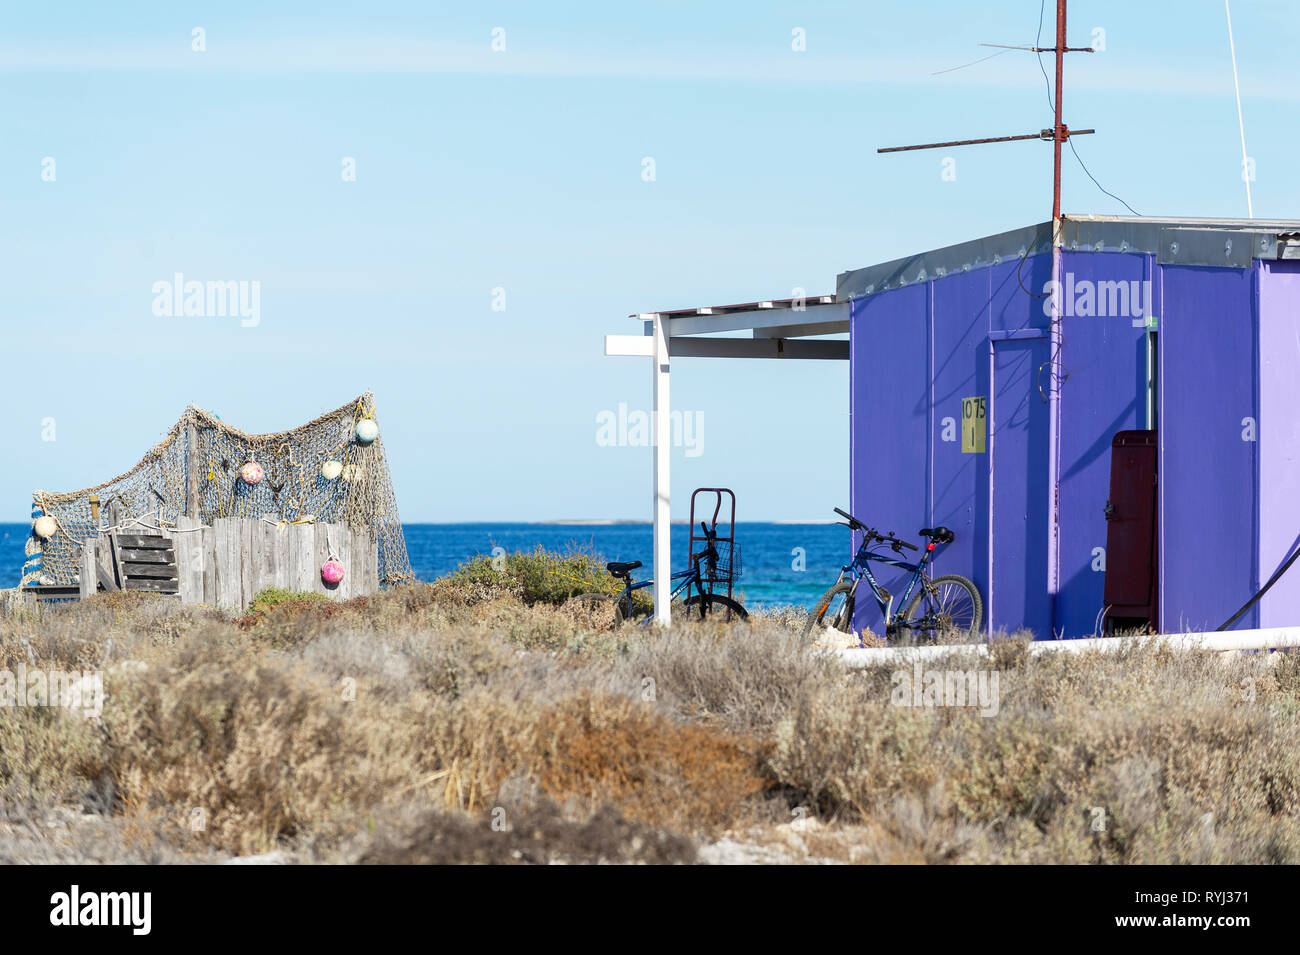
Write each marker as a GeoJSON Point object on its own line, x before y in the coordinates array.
{"type": "Point", "coordinates": [1055, 338]}
{"type": "Point", "coordinates": [1058, 132]}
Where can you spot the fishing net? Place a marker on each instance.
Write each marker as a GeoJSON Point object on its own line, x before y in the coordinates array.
{"type": "Point", "coordinates": [321, 471]}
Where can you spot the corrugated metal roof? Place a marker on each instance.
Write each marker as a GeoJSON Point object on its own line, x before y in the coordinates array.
{"type": "Point", "coordinates": [1187, 241]}
{"type": "Point", "coordinates": [774, 303]}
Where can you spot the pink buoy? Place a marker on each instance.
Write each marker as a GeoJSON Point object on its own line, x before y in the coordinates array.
{"type": "Point", "coordinates": [251, 472]}
{"type": "Point", "coordinates": [331, 571]}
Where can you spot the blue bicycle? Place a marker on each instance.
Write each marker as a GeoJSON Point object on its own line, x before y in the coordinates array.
{"type": "Point", "coordinates": [697, 605]}
{"type": "Point", "coordinates": [932, 606]}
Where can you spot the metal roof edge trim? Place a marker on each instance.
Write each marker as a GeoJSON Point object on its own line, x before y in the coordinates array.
{"type": "Point", "coordinates": [977, 253]}
{"type": "Point", "coordinates": [1223, 243]}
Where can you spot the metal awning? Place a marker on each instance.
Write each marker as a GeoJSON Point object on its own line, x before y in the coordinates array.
{"type": "Point", "coordinates": [779, 328]}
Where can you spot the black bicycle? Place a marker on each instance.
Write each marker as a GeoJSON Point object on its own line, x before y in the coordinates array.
{"type": "Point", "coordinates": [932, 606]}
{"type": "Point", "coordinates": [697, 605]}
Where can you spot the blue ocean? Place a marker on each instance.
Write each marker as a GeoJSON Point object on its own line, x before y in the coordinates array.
{"type": "Point", "coordinates": [781, 564]}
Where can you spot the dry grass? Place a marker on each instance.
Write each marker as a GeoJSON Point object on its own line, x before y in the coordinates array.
{"type": "Point", "coordinates": [458, 722]}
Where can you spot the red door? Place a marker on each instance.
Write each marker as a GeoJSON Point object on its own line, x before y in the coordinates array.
{"type": "Point", "coordinates": [1131, 586]}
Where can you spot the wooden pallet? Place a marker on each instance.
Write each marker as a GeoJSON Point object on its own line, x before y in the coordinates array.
{"type": "Point", "coordinates": [144, 562]}
{"type": "Point", "coordinates": [54, 592]}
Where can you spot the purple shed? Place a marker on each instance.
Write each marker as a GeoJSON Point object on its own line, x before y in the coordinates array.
{"type": "Point", "coordinates": [965, 411]}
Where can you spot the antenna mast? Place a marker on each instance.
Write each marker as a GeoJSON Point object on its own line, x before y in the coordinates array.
{"type": "Point", "coordinates": [1057, 135]}
{"type": "Point", "coordinates": [1060, 131]}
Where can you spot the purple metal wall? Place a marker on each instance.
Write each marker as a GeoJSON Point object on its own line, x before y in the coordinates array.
{"type": "Point", "coordinates": [889, 386]}
{"type": "Point", "coordinates": [916, 352]}
{"type": "Point", "coordinates": [1105, 359]}
{"type": "Point", "coordinates": [1279, 439]}
{"type": "Point", "coordinates": [1208, 466]}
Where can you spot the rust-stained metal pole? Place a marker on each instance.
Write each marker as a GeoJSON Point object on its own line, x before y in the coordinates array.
{"type": "Point", "coordinates": [1058, 134]}
{"type": "Point", "coordinates": [1059, 130]}
{"type": "Point", "coordinates": [1056, 338]}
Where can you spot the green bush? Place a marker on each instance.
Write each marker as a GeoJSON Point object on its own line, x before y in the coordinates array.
{"type": "Point", "coordinates": [540, 576]}
{"type": "Point", "coordinates": [264, 600]}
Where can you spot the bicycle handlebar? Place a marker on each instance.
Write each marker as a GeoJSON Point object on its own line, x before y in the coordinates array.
{"type": "Point", "coordinates": [874, 535]}
{"type": "Point", "coordinates": [854, 523]}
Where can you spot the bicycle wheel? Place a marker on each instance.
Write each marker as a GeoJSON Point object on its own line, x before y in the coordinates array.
{"type": "Point", "coordinates": [714, 607]}
{"type": "Point", "coordinates": [943, 605]}
{"type": "Point", "coordinates": [833, 611]}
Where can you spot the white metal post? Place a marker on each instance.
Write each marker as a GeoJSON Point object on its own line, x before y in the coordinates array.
{"type": "Point", "coordinates": [655, 347]}
{"type": "Point", "coordinates": [662, 452]}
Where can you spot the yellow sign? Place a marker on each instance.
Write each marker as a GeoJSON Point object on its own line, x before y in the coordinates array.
{"type": "Point", "coordinates": [974, 424]}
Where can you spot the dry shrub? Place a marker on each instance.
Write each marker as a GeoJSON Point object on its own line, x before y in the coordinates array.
{"type": "Point", "coordinates": [293, 622]}
{"type": "Point", "coordinates": [842, 753]}
{"type": "Point", "coordinates": [609, 749]}
{"type": "Point", "coordinates": [66, 836]}
{"type": "Point", "coordinates": [47, 756]}
{"type": "Point", "coordinates": [1166, 747]}
{"type": "Point", "coordinates": [268, 747]}
{"type": "Point", "coordinates": [540, 835]}
{"type": "Point", "coordinates": [93, 633]}
{"type": "Point", "coordinates": [260, 752]}
{"type": "Point", "coordinates": [747, 678]}
{"type": "Point", "coordinates": [465, 698]}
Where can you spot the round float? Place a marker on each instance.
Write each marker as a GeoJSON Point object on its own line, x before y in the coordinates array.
{"type": "Point", "coordinates": [331, 571]}
{"type": "Point", "coordinates": [367, 430]}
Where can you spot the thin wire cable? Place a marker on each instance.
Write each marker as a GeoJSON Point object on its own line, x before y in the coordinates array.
{"type": "Point", "coordinates": [1038, 42]}
{"type": "Point", "coordinates": [1020, 277]}
{"type": "Point", "coordinates": [1097, 184]}
{"type": "Point", "coordinates": [971, 63]}
{"type": "Point", "coordinates": [1241, 123]}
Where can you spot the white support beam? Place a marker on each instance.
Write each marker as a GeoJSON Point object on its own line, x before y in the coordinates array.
{"type": "Point", "coordinates": [758, 318]}
{"type": "Point", "coordinates": [662, 340]}
{"type": "Point", "coordinates": [806, 329]}
{"type": "Point", "coordinates": [825, 349]}
{"type": "Point", "coordinates": [662, 454]}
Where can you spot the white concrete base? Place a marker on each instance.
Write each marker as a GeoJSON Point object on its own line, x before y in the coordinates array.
{"type": "Point", "coordinates": [1266, 639]}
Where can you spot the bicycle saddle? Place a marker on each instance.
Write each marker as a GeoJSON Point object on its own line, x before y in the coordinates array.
{"type": "Point", "coordinates": [621, 568]}
{"type": "Point", "coordinates": [940, 534]}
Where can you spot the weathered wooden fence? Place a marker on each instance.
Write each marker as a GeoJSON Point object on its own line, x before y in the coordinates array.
{"type": "Point", "coordinates": [226, 563]}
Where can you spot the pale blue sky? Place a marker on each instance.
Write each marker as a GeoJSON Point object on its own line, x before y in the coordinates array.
{"type": "Point", "coordinates": [522, 169]}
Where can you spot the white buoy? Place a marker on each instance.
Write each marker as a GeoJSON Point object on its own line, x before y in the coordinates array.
{"type": "Point", "coordinates": [331, 469]}
{"type": "Point", "coordinates": [45, 526]}
{"type": "Point", "coordinates": [367, 430]}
